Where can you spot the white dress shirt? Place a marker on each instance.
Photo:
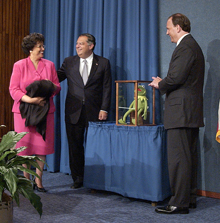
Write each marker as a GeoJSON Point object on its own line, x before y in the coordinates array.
{"type": "Point", "coordinates": [179, 40]}
{"type": "Point", "coordinates": [89, 64]}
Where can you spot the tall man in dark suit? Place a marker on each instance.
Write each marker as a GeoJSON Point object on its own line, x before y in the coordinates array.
{"type": "Point", "coordinates": [88, 98]}
{"type": "Point", "coordinates": [183, 114]}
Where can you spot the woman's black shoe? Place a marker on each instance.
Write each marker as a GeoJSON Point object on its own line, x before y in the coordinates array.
{"type": "Point", "coordinates": [39, 189]}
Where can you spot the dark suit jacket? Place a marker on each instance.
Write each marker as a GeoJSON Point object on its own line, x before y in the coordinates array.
{"type": "Point", "coordinates": [184, 86]}
{"type": "Point", "coordinates": [96, 94]}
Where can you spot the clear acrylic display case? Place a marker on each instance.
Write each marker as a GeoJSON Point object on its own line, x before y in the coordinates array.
{"type": "Point", "coordinates": [135, 103]}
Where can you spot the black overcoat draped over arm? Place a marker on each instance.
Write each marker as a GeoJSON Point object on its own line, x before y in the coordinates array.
{"type": "Point", "coordinates": [36, 115]}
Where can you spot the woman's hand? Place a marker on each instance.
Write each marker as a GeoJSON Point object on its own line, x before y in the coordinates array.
{"type": "Point", "coordinates": [37, 100]}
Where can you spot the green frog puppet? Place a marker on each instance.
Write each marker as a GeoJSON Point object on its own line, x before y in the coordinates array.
{"type": "Point", "coordinates": [142, 107]}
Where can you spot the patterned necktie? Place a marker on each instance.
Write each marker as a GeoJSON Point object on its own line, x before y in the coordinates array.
{"type": "Point", "coordinates": [85, 72]}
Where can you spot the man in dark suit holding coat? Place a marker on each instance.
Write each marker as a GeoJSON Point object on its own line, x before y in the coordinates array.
{"type": "Point", "coordinates": [88, 98]}
{"type": "Point", "coordinates": [183, 114]}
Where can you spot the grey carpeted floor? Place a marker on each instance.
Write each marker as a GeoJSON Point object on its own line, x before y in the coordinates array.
{"type": "Point", "coordinates": [63, 204]}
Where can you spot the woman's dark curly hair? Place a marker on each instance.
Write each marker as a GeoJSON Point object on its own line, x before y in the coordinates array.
{"type": "Point", "coordinates": [30, 41]}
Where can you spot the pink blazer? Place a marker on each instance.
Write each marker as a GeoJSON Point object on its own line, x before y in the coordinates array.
{"type": "Point", "coordinates": [24, 73]}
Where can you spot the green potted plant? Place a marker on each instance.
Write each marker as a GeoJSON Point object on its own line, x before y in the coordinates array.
{"type": "Point", "coordinates": [12, 182]}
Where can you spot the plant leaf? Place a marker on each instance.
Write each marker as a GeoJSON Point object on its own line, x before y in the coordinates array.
{"type": "Point", "coordinates": [10, 179]}
{"type": "Point", "coordinates": [16, 198]}
{"type": "Point", "coordinates": [28, 171]}
{"type": "Point", "coordinates": [10, 139]}
{"type": "Point", "coordinates": [7, 154]}
{"type": "Point", "coordinates": [20, 149]}
{"type": "Point", "coordinates": [10, 164]}
{"type": "Point", "coordinates": [25, 188]}
{"type": "Point", "coordinates": [1, 191]}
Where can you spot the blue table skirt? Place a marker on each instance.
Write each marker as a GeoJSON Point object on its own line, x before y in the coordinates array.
{"type": "Point", "coordinates": [131, 161]}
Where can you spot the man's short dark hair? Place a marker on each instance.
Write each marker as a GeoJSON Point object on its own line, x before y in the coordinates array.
{"type": "Point", "coordinates": [91, 39]}
{"type": "Point", "coordinates": [182, 21]}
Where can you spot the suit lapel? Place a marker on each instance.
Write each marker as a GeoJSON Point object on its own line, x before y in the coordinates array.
{"type": "Point", "coordinates": [78, 77]}
{"type": "Point", "coordinates": [94, 67]}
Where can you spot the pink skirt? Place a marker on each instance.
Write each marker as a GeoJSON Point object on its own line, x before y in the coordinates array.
{"type": "Point", "coordinates": [33, 140]}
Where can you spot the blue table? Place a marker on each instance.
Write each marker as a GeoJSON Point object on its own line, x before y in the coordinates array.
{"type": "Point", "coordinates": [131, 161]}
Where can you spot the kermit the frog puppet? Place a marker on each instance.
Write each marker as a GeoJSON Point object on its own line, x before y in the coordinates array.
{"type": "Point", "coordinates": [142, 107]}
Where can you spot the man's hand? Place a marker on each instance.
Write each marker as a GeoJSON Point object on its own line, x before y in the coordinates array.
{"type": "Point", "coordinates": [103, 115]}
{"type": "Point", "coordinates": [155, 82]}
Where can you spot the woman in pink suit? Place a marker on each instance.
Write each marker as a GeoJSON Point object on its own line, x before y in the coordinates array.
{"type": "Point", "coordinates": [25, 72]}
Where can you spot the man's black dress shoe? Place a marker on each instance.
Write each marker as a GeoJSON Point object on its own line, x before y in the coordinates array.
{"type": "Point", "coordinates": [77, 185]}
{"type": "Point", "coordinates": [78, 182]}
{"type": "Point", "coordinates": [172, 210]}
{"type": "Point", "coordinates": [192, 205]}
